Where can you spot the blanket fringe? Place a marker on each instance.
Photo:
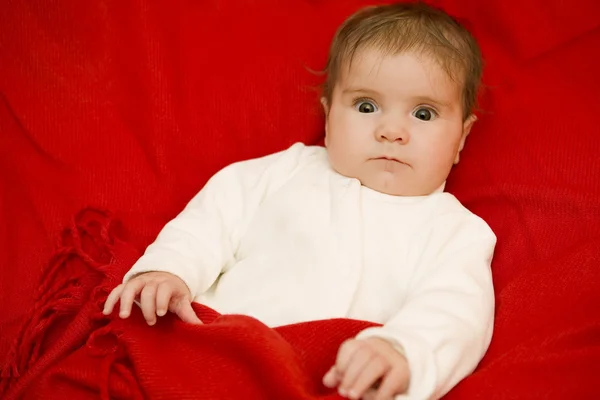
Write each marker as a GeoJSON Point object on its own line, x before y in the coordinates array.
{"type": "Point", "coordinates": [68, 281]}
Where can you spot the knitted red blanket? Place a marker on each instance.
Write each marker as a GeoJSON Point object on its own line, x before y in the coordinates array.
{"type": "Point", "coordinates": [68, 349]}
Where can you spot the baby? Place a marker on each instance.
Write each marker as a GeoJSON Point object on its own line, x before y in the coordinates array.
{"type": "Point", "coordinates": [360, 228]}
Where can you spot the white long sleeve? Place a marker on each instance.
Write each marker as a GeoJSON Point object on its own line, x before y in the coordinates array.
{"type": "Point", "coordinates": [445, 324]}
{"type": "Point", "coordinates": [200, 243]}
{"type": "Point", "coordinates": [286, 239]}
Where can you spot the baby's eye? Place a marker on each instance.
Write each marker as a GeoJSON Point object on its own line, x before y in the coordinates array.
{"type": "Point", "coordinates": [424, 114]}
{"type": "Point", "coordinates": [365, 106]}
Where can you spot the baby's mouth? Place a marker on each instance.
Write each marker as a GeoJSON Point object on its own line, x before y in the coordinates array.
{"type": "Point", "coordinates": [385, 158]}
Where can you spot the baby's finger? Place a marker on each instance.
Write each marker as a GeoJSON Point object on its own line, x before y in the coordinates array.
{"type": "Point", "coordinates": [345, 353]}
{"type": "Point", "coordinates": [187, 314]}
{"type": "Point", "coordinates": [148, 303]}
{"type": "Point", "coordinates": [394, 383]}
{"type": "Point", "coordinates": [359, 361]}
{"type": "Point", "coordinates": [112, 299]}
{"type": "Point", "coordinates": [131, 290]}
{"type": "Point", "coordinates": [331, 379]}
{"type": "Point", "coordinates": [371, 373]}
{"type": "Point", "coordinates": [163, 298]}
{"type": "Point", "coordinates": [370, 394]}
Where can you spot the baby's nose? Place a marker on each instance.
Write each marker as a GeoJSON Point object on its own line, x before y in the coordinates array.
{"type": "Point", "coordinates": [393, 132]}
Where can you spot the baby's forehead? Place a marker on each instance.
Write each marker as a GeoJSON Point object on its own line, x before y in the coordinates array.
{"type": "Point", "coordinates": [372, 65]}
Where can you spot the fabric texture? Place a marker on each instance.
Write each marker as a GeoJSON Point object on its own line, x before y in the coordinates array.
{"type": "Point", "coordinates": [131, 106]}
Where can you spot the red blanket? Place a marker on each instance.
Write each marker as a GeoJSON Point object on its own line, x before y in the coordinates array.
{"type": "Point", "coordinates": [130, 106]}
{"type": "Point", "coordinates": [69, 349]}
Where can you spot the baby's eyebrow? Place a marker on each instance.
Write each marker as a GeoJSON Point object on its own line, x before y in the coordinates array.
{"type": "Point", "coordinates": [430, 100]}
{"type": "Point", "coordinates": [355, 91]}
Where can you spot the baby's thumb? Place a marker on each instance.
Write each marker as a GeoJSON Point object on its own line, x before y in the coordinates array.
{"type": "Point", "coordinates": [331, 378]}
{"type": "Point", "coordinates": [187, 313]}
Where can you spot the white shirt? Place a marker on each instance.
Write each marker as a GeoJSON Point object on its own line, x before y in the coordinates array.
{"type": "Point", "coordinates": [286, 239]}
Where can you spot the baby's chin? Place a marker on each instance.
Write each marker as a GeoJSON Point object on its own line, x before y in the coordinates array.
{"type": "Point", "coordinates": [393, 186]}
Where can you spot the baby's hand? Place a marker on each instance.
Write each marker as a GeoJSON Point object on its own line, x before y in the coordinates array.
{"type": "Point", "coordinates": [368, 368]}
{"type": "Point", "coordinates": [158, 292]}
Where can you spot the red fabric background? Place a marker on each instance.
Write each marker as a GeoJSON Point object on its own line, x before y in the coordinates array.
{"type": "Point", "coordinates": [131, 106]}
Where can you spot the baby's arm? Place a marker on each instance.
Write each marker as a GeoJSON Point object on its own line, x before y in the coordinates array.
{"type": "Point", "coordinates": [200, 241]}
{"type": "Point", "coordinates": [196, 245]}
{"type": "Point", "coordinates": [445, 325]}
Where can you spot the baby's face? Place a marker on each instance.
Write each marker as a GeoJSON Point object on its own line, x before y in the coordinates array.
{"type": "Point", "coordinates": [395, 123]}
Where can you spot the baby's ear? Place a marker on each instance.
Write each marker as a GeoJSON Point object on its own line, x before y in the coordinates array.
{"type": "Point", "coordinates": [326, 110]}
{"type": "Point", "coordinates": [467, 125]}
{"type": "Point", "coordinates": [325, 105]}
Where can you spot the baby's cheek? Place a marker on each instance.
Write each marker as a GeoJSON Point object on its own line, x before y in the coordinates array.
{"type": "Point", "coordinates": [440, 155]}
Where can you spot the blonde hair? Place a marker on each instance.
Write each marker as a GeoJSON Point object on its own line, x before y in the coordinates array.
{"type": "Point", "coordinates": [414, 26]}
